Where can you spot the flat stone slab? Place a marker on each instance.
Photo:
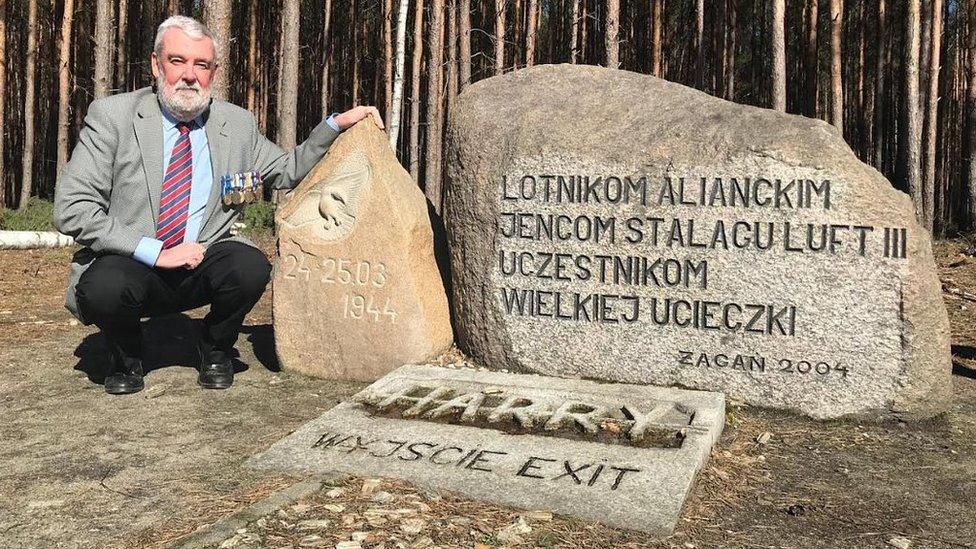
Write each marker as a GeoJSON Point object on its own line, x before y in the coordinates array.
{"type": "Point", "coordinates": [624, 455]}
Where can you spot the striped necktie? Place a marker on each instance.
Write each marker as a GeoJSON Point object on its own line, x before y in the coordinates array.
{"type": "Point", "coordinates": [174, 201]}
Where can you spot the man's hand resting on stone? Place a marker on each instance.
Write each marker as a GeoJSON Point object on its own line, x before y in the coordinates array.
{"type": "Point", "coordinates": [187, 254]}
{"type": "Point", "coordinates": [349, 118]}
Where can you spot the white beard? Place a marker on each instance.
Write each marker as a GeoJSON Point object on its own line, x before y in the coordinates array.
{"type": "Point", "coordinates": [184, 101]}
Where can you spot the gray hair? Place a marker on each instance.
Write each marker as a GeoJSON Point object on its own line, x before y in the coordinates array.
{"type": "Point", "coordinates": [193, 28]}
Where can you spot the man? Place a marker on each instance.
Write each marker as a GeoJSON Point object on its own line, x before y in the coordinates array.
{"type": "Point", "coordinates": [143, 194]}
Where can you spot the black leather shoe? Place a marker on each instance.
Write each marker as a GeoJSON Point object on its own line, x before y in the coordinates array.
{"type": "Point", "coordinates": [216, 370]}
{"type": "Point", "coordinates": [126, 379]}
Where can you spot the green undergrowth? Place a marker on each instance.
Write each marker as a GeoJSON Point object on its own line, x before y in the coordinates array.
{"type": "Point", "coordinates": [259, 218]}
{"type": "Point", "coordinates": [37, 216]}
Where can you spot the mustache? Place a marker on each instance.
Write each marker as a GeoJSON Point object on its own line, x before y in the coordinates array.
{"type": "Point", "coordinates": [184, 86]}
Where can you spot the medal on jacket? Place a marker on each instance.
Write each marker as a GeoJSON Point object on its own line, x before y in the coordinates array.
{"type": "Point", "coordinates": [241, 188]}
{"type": "Point", "coordinates": [258, 184]}
{"type": "Point", "coordinates": [238, 185]}
{"type": "Point", "coordinates": [225, 190]}
{"type": "Point", "coordinates": [249, 187]}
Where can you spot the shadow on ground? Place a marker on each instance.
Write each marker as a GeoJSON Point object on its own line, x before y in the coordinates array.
{"type": "Point", "coordinates": [171, 341]}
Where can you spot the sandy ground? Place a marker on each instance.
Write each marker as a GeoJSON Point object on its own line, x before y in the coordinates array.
{"type": "Point", "coordinates": [79, 468]}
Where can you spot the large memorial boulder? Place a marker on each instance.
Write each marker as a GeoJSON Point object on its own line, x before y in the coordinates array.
{"type": "Point", "coordinates": [610, 225]}
{"type": "Point", "coordinates": [357, 291]}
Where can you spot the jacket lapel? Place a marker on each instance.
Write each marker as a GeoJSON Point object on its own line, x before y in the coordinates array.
{"type": "Point", "coordinates": [149, 135]}
{"type": "Point", "coordinates": [217, 142]}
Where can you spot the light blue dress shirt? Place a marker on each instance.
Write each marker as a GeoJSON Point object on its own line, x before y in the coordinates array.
{"type": "Point", "coordinates": [148, 249]}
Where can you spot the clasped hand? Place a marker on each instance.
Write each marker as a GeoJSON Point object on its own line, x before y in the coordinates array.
{"type": "Point", "coordinates": [186, 255]}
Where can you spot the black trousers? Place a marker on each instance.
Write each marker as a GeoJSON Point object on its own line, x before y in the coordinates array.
{"type": "Point", "coordinates": [116, 292]}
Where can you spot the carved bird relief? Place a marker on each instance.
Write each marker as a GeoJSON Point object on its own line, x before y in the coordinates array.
{"type": "Point", "coordinates": [330, 208]}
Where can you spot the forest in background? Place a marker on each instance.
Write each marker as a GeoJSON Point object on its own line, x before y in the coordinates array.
{"type": "Point", "coordinates": [898, 76]}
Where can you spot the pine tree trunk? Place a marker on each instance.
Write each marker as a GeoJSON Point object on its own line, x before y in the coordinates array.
{"type": "Point", "coordinates": [574, 33]}
{"type": "Point", "coordinates": [388, 60]}
{"type": "Point", "coordinates": [779, 55]}
{"type": "Point", "coordinates": [30, 70]}
{"type": "Point", "coordinates": [554, 35]}
{"type": "Point", "coordinates": [518, 33]}
{"type": "Point", "coordinates": [730, 52]}
{"type": "Point", "coordinates": [418, 53]}
{"type": "Point", "coordinates": [288, 86]}
{"type": "Point", "coordinates": [970, 136]}
{"type": "Point", "coordinates": [217, 17]}
{"type": "Point", "coordinates": [584, 33]}
{"type": "Point", "coordinates": [252, 51]}
{"type": "Point", "coordinates": [924, 51]}
{"type": "Point", "coordinates": [452, 58]}
{"type": "Point", "coordinates": [499, 36]}
{"type": "Point", "coordinates": [721, 37]}
{"type": "Point", "coordinates": [811, 60]}
{"type": "Point", "coordinates": [173, 7]}
{"type": "Point", "coordinates": [836, 79]}
{"type": "Point", "coordinates": [558, 37]}
{"type": "Point", "coordinates": [950, 149]}
{"type": "Point", "coordinates": [121, 66]}
{"type": "Point", "coordinates": [700, 43]}
{"type": "Point", "coordinates": [862, 115]}
{"type": "Point", "coordinates": [104, 41]}
{"type": "Point", "coordinates": [656, 25]}
{"type": "Point", "coordinates": [879, 82]}
{"type": "Point", "coordinates": [376, 43]}
{"type": "Point", "coordinates": [464, 16]}
{"type": "Point", "coordinates": [3, 103]}
{"type": "Point", "coordinates": [326, 54]}
{"type": "Point", "coordinates": [931, 133]}
{"type": "Point", "coordinates": [530, 33]}
{"type": "Point", "coordinates": [264, 99]}
{"type": "Point", "coordinates": [612, 34]}
{"type": "Point", "coordinates": [401, 47]}
{"type": "Point", "coordinates": [913, 130]}
{"type": "Point", "coordinates": [432, 185]}
{"type": "Point", "coordinates": [354, 28]}
{"type": "Point", "coordinates": [64, 84]}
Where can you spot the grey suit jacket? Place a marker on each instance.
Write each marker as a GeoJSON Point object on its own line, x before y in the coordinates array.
{"type": "Point", "coordinates": [107, 196]}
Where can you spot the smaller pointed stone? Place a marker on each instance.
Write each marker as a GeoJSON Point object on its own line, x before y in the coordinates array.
{"type": "Point", "coordinates": [357, 290]}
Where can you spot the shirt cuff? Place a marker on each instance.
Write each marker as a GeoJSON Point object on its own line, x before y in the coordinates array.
{"type": "Point", "coordinates": [147, 251]}
{"type": "Point", "coordinates": [332, 123]}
